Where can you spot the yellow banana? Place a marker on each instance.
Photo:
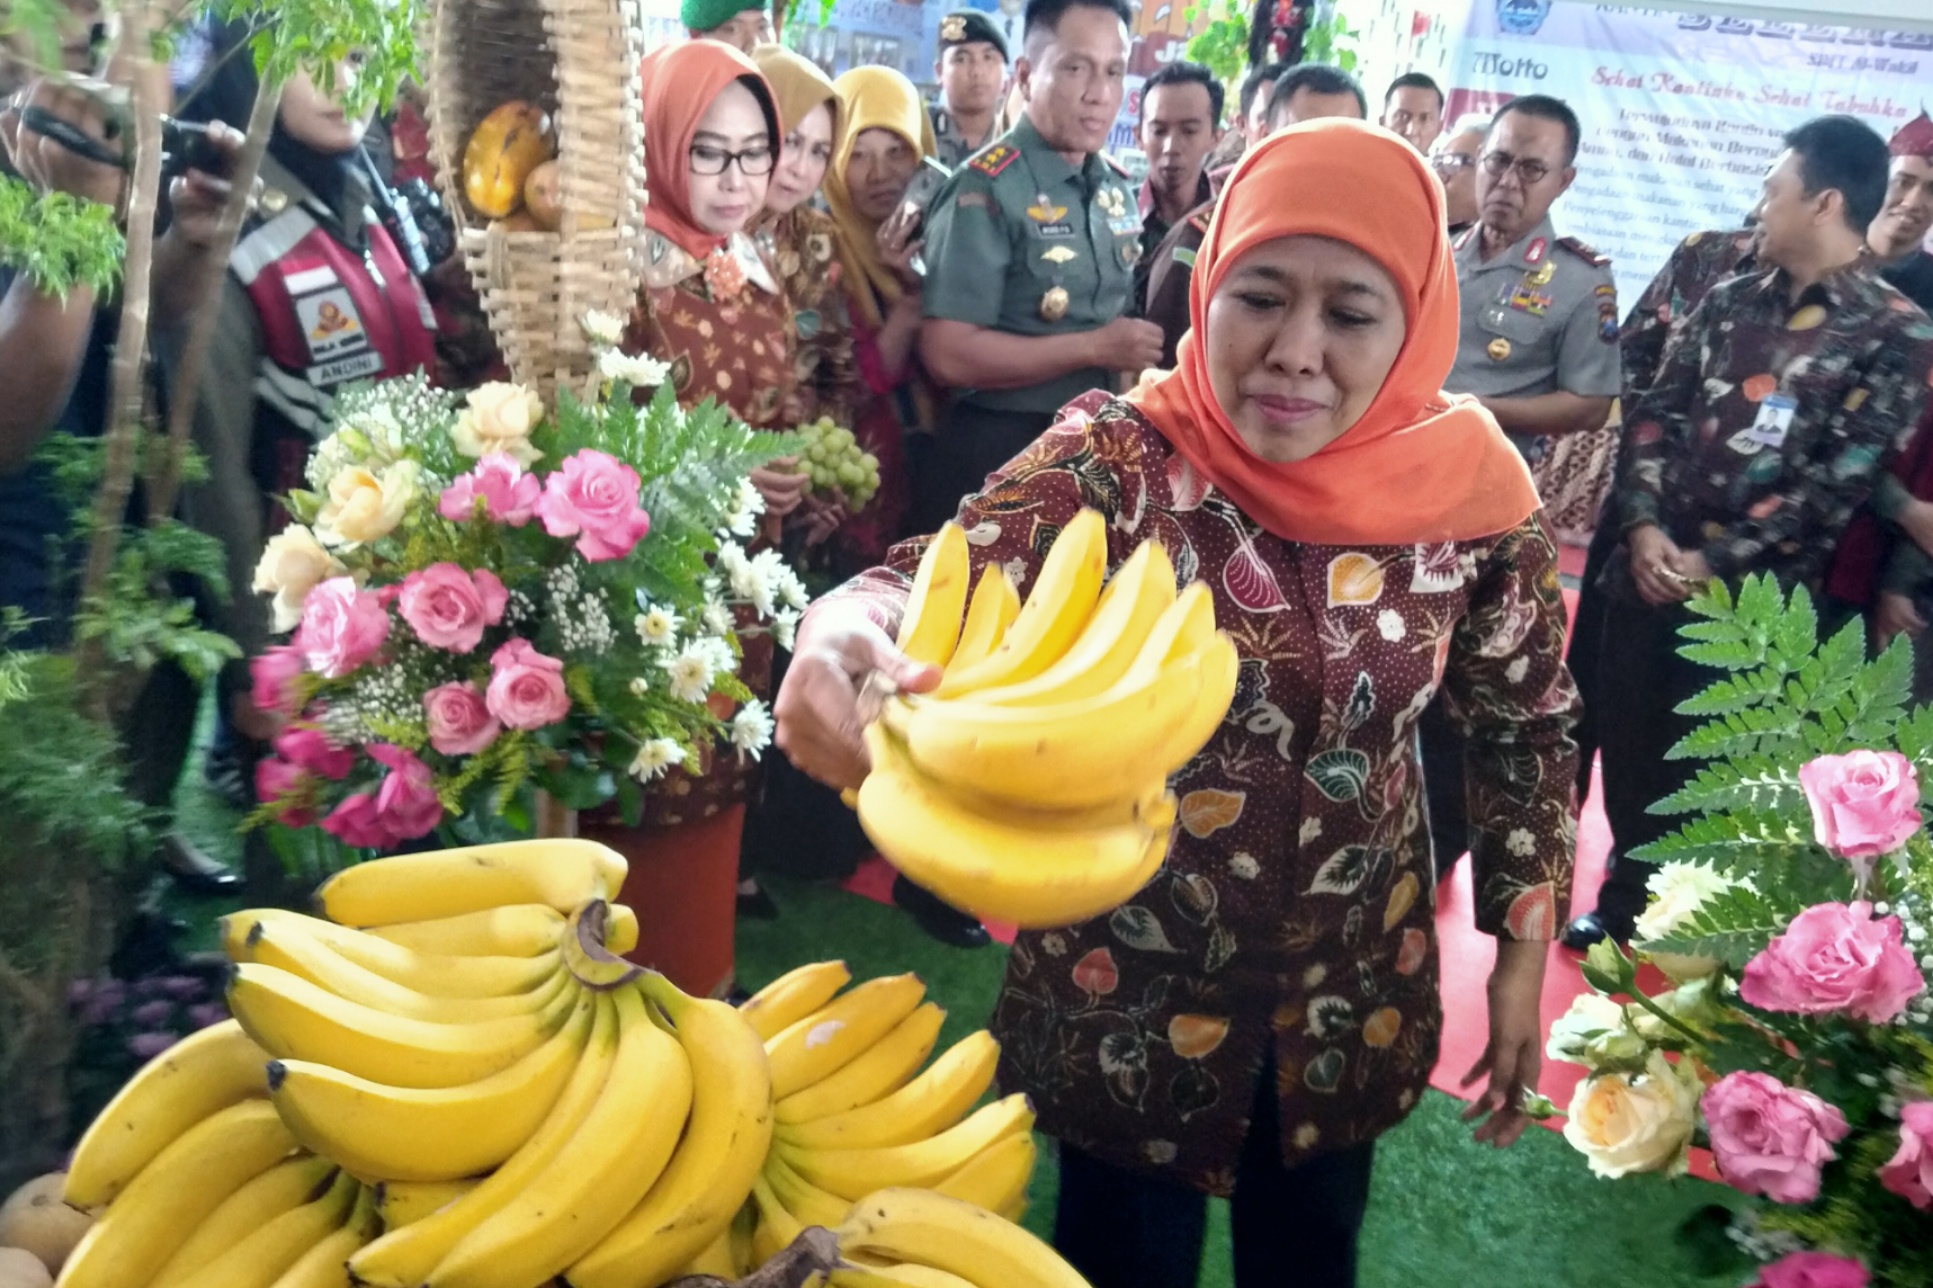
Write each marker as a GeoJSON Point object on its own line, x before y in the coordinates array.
{"type": "Point", "coordinates": [261, 1258]}
{"type": "Point", "coordinates": [439, 1134]}
{"type": "Point", "coordinates": [199, 1076]}
{"type": "Point", "coordinates": [930, 629]}
{"type": "Point", "coordinates": [997, 1177]}
{"type": "Point", "coordinates": [828, 1039]}
{"type": "Point", "coordinates": [246, 937]}
{"type": "Point", "coordinates": [919, 1227]}
{"type": "Point", "coordinates": [883, 1068]}
{"type": "Point", "coordinates": [855, 1173]}
{"type": "Point", "coordinates": [621, 931]}
{"type": "Point", "coordinates": [803, 1199]}
{"type": "Point", "coordinates": [175, 1193]}
{"type": "Point", "coordinates": [776, 1228]}
{"type": "Point", "coordinates": [929, 1104]}
{"type": "Point", "coordinates": [1135, 599]}
{"type": "Point", "coordinates": [295, 1020]}
{"type": "Point", "coordinates": [401, 1203]}
{"type": "Point", "coordinates": [793, 996]}
{"type": "Point", "coordinates": [692, 1204]}
{"type": "Point", "coordinates": [282, 1188]}
{"type": "Point", "coordinates": [1058, 606]}
{"type": "Point", "coordinates": [609, 1165]}
{"type": "Point", "coordinates": [326, 1264]}
{"type": "Point", "coordinates": [716, 1260]}
{"type": "Point", "coordinates": [523, 930]}
{"type": "Point", "coordinates": [326, 968]}
{"type": "Point", "coordinates": [560, 874]}
{"type": "Point", "coordinates": [990, 612]}
{"type": "Point", "coordinates": [404, 1258]}
{"type": "Point", "coordinates": [1220, 673]}
{"type": "Point", "coordinates": [869, 1274]}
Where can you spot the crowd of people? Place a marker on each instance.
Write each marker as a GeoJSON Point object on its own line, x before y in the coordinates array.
{"type": "Point", "coordinates": [1321, 360]}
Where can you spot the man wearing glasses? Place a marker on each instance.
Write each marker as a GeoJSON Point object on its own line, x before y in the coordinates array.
{"type": "Point", "coordinates": [1454, 160]}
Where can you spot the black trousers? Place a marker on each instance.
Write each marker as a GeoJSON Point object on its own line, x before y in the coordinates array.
{"type": "Point", "coordinates": [972, 443]}
{"type": "Point", "coordinates": [1587, 645]}
{"type": "Point", "coordinates": [1293, 1227]}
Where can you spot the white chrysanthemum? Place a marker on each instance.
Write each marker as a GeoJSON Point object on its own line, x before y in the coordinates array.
{"type": "Point", "coordinates": [603, 328]}
{"type": "Point", "coordinates": [691, 676]}
{"type": "Point", "coordinates": [657, 626]}
{"type": "Point", "coordinates": [792, 591]}
{"type": "Point", "coordinates": [785, 629]}
{"type": "Point", "coordinates": [717, 618]}
{"type": "Point", "coordinates": [715, 650]}
{"type": "Point", "coordinates": [751, 728]}
{"type": "Point", "coordinates": [635, 370]}
{"type": "Point", "coordinates": [639, 686]}
{"type": "Point", "coordinates": [655, 757]}
{"type": "Point", "coordinates": [743, 510]}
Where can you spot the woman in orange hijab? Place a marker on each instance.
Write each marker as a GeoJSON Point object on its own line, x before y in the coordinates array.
{"type": "Point", "coordinates": [1267, 1006]}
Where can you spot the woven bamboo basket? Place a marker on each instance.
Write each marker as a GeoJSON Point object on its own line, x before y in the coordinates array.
{"type": "Point", "coordinates": [578, 59]}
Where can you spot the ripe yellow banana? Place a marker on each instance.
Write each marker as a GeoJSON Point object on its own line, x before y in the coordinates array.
{"type": "Point", "coordinates": [175, 1193]}
{"type": "Point", "coordinates": [855, 1173]}
{"type": "Point", "coordinates": [326, 1264]}
{"type": "Point", "coordinates": [793, 996]}
{"type": "Point", "coordinates": [199, 1076]}
{"type": "Point", "coordinates": [716, 1260]}
{"type": "Point", "coordinates": [522, 930]}
{"type": "Point", "coordinates": [867, 1273]}
{"type": "Point", "coordinates": [404, 1257]}
{"type": "Point", "coordinates": [326, 968]}
{"type": "Point", "coordinates": [401, 1203]}
{"type": "Point", "coordinates": [610, 1164]}
{"type": "Point", "coordinates": [282, 1188]}
{"type": "Point", "coordinates": [997, 1177]}
{"type": "Point", "coordinates": [692, 1204]}
{"type": "Point", "coordinates": [1058, 606]}
{"type": "Point", "coordinates": [828, 1039]}
{"type": "Point", "coordinates": [621, 930]}
{"type": "Point", "coordinates": [246, 937]}
{"type": "Point", "coordinates": [990, 612]}
{"type": "Point", "coordinates": [1027, 867]}
{"type": "Point", "coordinates": [561, 874]}
{"type": "Point", "coordinates": [440, 1134]}
{"type": "Point", "coordinates": [1220, 673]}
{"type": "Point", "coordinates": [295, 1020]}
{"type": "Point", "coordinates": [930, 630]}
{"type": "Point", "coordinates": [926, 1106]}
{"type": "Point", "coordinates": [803, 1199]}
{"type": "Point", "coordinates": [919, 1227]}
{"type": "Point", "coordinates": [776, 1228]}
{"type": "Point", "coordinates": [1134, 600]}
{"type": "Point", "coordinates": [883, 1068]}
{"type": "Point", "coordinates": [261, 1258]}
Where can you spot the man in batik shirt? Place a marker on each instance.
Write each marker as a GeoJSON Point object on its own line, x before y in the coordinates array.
{"type": "Point", "coordinates": [1778, 405]}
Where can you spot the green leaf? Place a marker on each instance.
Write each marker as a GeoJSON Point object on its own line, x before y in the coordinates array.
{"type": "Point", "coordinates": [1734, 926]}
{"type": "Point", "coordinates": [1732, 840]}
{"type": "Point", "coordinates": [57, 241]}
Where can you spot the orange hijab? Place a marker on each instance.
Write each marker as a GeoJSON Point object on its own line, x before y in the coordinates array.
{"type": "Point", "coordinates": [1421, 465]}
{"type": "Point", "coordinates": [680, 82]}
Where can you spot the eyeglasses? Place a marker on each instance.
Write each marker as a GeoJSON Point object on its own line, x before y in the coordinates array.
{"type": "Point", "coordinates": [1529, 169]}
{"type": "Point", "coordinates": [709, 161]}
{"type": "Point", "coordinates": [1452, 161]}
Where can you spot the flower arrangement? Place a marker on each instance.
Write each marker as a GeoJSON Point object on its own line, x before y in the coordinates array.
{"type": "Point", "coordinates": [1792, 923]}
{"type": "Point", "coordinates": [496, 596]}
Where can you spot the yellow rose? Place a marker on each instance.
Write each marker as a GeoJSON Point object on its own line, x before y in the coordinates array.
{"type": "Point", "coordinates": [499, 418]}
{"type": "Point", "coordinates": [1624, 1123]}
{"type": "Point", "coordinates": [363, 507]}
{"type": "Point", "coordinates": [293, 563]}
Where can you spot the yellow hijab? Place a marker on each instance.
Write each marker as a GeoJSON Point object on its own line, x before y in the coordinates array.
{"type": "Point", "coordinates": [875, 98]}
{"type": "Point", "coordinates": [799, 86]}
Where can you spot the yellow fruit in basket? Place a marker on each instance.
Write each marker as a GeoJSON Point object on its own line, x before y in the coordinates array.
{"type": "Point", "coordinates": [509, 143]}
{"type": "Point", "coordinates": [544, 195]}
{"type": "Point", "coordinates": [521, 222]}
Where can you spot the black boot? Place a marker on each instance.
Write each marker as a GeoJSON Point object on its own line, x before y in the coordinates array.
{"type": "Point", "coordinates": [938, 919]}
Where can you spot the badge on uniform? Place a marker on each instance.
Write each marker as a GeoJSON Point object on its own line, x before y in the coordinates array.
{"type": "Point", "coordinates": [1774, 420]}
{"type": "Point", "coordinates": [1498, 349]}
{"type": "Point", "coordinates": [1535, 303]}
{"type": "Point", "coordinates": [1044, 211]}
{"type": "Point", "coordinates": [1111, 201]}
{"type": "Point", "coordinates": [338, 342]}
{"type": "Point", "coordinates": [1053, 305]}
{"type": "Point", "coordinates": [1541, 275]}
{"type": "Point", "coordinates": [1060, 254]}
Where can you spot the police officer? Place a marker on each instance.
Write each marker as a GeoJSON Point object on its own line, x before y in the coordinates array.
{"type": "Point", "coordinates": [733, 22]}
{"type": "Point", "coordinates": [972, 73]}
{"type": "Point", "coordinates": [1030, 253]}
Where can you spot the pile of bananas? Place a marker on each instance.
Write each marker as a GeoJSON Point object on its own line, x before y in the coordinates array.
{"type": "Point", "coordinates": [1032, 785]}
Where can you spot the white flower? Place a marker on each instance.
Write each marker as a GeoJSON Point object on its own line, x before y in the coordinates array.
{"type": "Point", "coordinates": [785, 629]}
{"type": "Point", "coordinates": [1311, 829]}
{"type": "Point", "coordinates": [717, 618]}
{"type": "Point", "coordinates": [637, 371]}
{"type": "Point", "coordinates": [1677, 891]}
{"type": "Point", "coordinates": [603, 328]}
{"type": "Point", "coordinates": [363, 507]}
{"type": "Point", "coordinates": [639, 686]}
{"type": "Point", "coordinates": [292, 564]}
{"type": "Point", "coordinates": [792, 592]}
{"type": "Point", "coordinates": [691, 677]}
{"type": "Point", "coordinates": [1516, 671]}
{"type": "Point", "coordinates": [658, 626]}
{"type": "Point", "coordinates": [1623, 1123]}
{"type": "Point", "coordinates": [331, 456]}
{"type": "Point", "coordinates": [1521, 842]}
{"type": "Point", "coordinates": [1244, 865]}
{"type": "Point", "coordinates": [741, 514]}
{"type": "Point", "coordinates": [655, 757]}
{"type": "Point", "coordinates": [716, 651]}
{"type": "Point", "coordinates": [1389, 623]}
{"type": "Point", "coordinates": [1592, 1015]}
{"type": "Point", "coordinates": [751, 727]}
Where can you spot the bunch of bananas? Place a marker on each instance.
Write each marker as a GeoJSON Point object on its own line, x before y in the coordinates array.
{"type": "Point", "coordinates": [914, 1238]}
{"type": "Point", "coordinates": [1032, 785]}
{"type": "Point", "coordinates": [855, 1113]}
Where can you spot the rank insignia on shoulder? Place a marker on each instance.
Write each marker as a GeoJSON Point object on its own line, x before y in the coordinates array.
{"type": "Point", "coordinates": [995, 159]}
{"type": "Point", "coordinates": [1586, 252]}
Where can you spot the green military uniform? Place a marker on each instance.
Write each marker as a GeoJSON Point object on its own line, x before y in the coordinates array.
{"type": "Point", "coordinates": [965, 27]}
{"type": "Point", "coordinates": [954, 148]}
{"type": "Point", "coordinates": [1022, 242]}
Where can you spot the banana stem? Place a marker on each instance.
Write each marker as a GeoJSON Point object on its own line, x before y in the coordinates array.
{"type": "Point", "coordinates": [594, 965]}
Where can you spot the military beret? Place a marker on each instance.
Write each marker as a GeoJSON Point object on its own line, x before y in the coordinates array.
{"type": "Point", "coordinates": [708, 15]}
{"type": "Point", "coordinates": [967, 26]}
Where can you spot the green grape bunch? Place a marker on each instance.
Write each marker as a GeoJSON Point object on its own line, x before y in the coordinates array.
{"type": "Point", "coordinates": [835, 462]}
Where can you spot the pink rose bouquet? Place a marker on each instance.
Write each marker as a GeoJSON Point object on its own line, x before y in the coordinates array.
{"type": "Point", "coordinates": [448, 608]}
{"type": "Point", "coordinates": [507, 494]}
{"type": "Point", "coordinates": [1835, 957]}
{"type": "Point", "coordinates": [1864, 803]}
{"type": "Point", "coordinates": [526, 688]}
{"type": "Point", "coordinates": [1769, 1138]}
{"type": "Point", "coordinates": [594, 498]}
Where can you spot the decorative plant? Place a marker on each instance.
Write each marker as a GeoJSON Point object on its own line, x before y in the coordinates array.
{"type": "Point", "coordinates": [1296, 32]}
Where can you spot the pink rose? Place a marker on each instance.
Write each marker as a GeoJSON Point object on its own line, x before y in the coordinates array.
{"type": "Point", "coordinates": [1769, 1138]}
{"type": "Point", "coordinates": [342, 627]}
{"type": "Point", "coordinates": [509, 495]}
{"type": "Point", "coordinates": [273, 675]}
{"type": "Point", "coordinates": [448, 607]}
{"type": "Point", "coordinates": [1909, 1173]}
{"type": "Point", "coordinates": [278, 780]}
{"type": "Point", "coordinates": [1835, 957]}
{"type": "Point", "coordinates": [527, 689]}
{"type": "Point", "coordinates": [355, 821]}
{"type": "Point", "coordinates": [459, 719]}
{"type": "Point", "coordinates": [406, 803]}
{"type": "Point", "coordinates": [1813, 1270]}
{"type": "Point", "coordinates": [1864, 803]}
{"type": "Point", "coordinates": [306, 748]}
{"type": "Point", "coordinates": [594, 497]}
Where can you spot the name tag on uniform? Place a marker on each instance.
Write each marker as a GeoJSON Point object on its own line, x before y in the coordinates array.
{"type": "Point", "coordinates": [1774, 420]}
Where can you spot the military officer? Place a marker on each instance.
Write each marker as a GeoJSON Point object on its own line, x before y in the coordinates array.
{"type": "Point", "coordinates": [1030, 252]}
{"type": "Point", "coordinates": [744, 26]}
{"type": "Point", "coordinates": [972, 75]}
